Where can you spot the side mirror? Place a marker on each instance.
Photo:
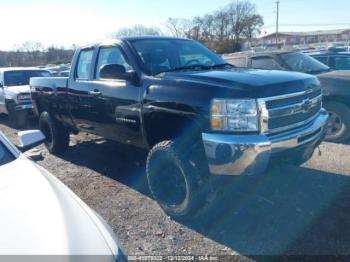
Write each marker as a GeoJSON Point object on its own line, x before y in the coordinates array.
{"type": "Point", "coordinates": [30, 139]}
{"type": "Point", "coordinates": [116, 71]}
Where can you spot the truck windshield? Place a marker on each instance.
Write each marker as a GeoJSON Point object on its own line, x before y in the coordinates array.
{"type": "Point", "coordinates": [22, 77]}
{"type": "Point", "coordinates": [162, 55]}
{"type": "Point", "coordinates": [303, 63]}
{"type": "Point", "coordinates": [5, 155]}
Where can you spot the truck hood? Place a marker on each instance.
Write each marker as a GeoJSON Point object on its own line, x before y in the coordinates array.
{"type": "Point", "coordinates": [255, 83]}
{"type": "Point", "coordinates": [40, 216]}
{"type": "Point", "coordinates": [336, 74]}
{"type": "Point", "coordinates": [19, 89]}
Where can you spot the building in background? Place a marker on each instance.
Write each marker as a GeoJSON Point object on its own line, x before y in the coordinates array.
{"type": "Point", "coordinates": [298, 38]}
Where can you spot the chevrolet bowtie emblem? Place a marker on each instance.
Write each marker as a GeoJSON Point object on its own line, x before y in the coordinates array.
{"type": "Point", "coordinates": [306, 105]}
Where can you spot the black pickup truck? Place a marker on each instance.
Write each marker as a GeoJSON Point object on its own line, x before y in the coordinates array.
{"type": "Point", "coordinates": [198, 116]}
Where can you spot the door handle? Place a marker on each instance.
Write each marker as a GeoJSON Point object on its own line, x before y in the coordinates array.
{"type": "Point", "coordinates": [95, 93]}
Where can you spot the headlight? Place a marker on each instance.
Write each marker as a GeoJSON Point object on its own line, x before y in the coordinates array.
{"type": "Point", "coordinates": [239, 115]}
{"type": "Point", "coordinates": [24, 97]}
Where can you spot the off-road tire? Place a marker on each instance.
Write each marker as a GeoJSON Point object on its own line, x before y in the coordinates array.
{"type": "Point", "coordinates": [163, 158]}
{"type": "Point", "coordinates": [57, 136]}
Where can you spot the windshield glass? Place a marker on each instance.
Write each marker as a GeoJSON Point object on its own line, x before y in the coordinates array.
{"type": "Point", "coordinates": [161, 55]}
{"type": "Point", "coordinates": [18, 78]}
{"type": "Point", "coordinates": [5, 155]}
{"type": "Point", "coordinates": [303, 63]}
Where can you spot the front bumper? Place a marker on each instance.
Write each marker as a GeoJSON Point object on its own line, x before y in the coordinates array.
{"type": "Point", "coordinates": [251, 154]}
{"type": "Point", "coordinates": [28, 107]}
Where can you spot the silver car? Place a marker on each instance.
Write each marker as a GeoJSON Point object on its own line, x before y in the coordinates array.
{"type": "Point", "coordinates": [41, 216]}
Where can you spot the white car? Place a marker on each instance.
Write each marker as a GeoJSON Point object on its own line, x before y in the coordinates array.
{"type": "Point", "coordinates": [15, 98]}
{"type": "Point", "coordinates": [40, 216]}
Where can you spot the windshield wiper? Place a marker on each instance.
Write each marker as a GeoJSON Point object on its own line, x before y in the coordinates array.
{"type": "Point", "coordinates": [225, 65]}
{"type": "Point", "coordinates": [195, 67]}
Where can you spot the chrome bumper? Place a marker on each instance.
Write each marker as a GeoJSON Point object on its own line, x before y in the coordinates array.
{"type": "Point", "coordinates": [250, 154]}
{"type": "Point", "coordinates": [24, 107]}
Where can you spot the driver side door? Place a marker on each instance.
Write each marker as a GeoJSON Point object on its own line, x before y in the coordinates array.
{"type": "Point", "coordinates": [115, 104]}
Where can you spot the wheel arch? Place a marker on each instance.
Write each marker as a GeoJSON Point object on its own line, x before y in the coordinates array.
{"type": "Point", "coordinates": [165, 126]}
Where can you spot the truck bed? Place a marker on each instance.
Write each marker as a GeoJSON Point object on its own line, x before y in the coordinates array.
{"type": "Point", "coordinates": [49, 82]}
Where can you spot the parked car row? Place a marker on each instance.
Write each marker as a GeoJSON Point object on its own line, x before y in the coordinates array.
{"type": "Point", "coordinates": [58, 70]}
{"type": "Point", "coordinates": [15, 98]}
{"type": "Point", "coordinates": [335, 83]}
{"type": "Point", "coordinates": [334, 60]}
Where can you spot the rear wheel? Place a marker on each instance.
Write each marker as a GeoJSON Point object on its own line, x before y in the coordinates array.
{"type": "Point", "coordinates": [57, 136]}
{"type": "Point", "coordinates": [173, 181]}
{"type": "Point", "coordinates": [338, 122]}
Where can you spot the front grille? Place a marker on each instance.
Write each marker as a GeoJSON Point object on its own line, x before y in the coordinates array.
{"type": "Point", "coordinates": [292, 100]}
{"type": "Point", "coordinates": [25, 101]}
{"type": "Point", "coordinates": [289, 111]}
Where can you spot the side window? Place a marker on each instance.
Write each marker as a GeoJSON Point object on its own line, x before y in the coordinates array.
{"type": "Point", "coordinates": [108, 56]}
{"type": "Point", "coordinates": [84, 64]}
{"type": "Point", "coordinates": [238, 61]}
{"type": "Point", "coordinates": [342, 63]}
{"type": "Point", "coordinates": [322, 59]}
{"type": "Point", "coordinates": [265, 63]}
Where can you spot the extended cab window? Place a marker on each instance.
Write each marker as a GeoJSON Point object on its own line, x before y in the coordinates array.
{"type": "Point", "coordinates": [108, 56]}
{"type": "Point", "coordinates": [265, 63]}
{"type": "Point", "coordinates": [84, 64]}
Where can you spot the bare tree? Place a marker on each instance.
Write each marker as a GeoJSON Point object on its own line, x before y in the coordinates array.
{"type": "Point", "coordinates": [253, 25]}
{"type": "Point", "coordinates": [180, 27]}
{"type": "Point", "coordinates": [223, 30]}
{"type": "Point", "coordinates": [138, 30]}
{"type": "Point", "coordinates": [30, 47]}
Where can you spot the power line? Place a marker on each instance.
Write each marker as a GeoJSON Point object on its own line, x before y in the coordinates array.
{"type": "Point", "coordinates": [346, 24]}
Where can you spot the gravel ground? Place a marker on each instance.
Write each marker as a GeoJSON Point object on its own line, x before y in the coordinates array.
{"type": "Point", "coordinates": [287, 210]}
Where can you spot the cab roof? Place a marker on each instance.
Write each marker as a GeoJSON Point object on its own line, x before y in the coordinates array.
{"type": "Point", "coordinates": [130, 39]}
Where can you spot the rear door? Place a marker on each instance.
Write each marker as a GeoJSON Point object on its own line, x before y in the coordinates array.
{"type": "Point", "coordinates": [78, 92]}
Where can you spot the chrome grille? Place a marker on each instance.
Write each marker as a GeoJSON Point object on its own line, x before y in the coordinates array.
{"type": "Point", "coordinates": [25, 101]}
{"type": "Point", "coordinates": [286, 112]}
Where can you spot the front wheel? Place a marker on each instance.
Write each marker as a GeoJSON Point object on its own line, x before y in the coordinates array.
{"type": "Point", "coordinates": [338, 122]}
{"type": "Point", "coordinates": [17, 119]}
{"type": "Point", "coordinates": [173, 181]}
{"type": "Point", "coordinates": [57, 136]}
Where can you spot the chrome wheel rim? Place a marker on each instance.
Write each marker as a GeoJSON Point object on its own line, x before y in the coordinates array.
{"type": "Point", "coordinates": [336, 126]}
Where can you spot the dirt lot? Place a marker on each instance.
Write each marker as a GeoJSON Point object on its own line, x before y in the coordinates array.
{"type": "Point", "coordinates": [288, 210]}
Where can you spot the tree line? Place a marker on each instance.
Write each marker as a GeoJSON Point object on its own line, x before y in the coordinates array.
{"type": "Point", "coordinates": [34, 54]}
{"type": "Point", "coordinates": [224, 30]}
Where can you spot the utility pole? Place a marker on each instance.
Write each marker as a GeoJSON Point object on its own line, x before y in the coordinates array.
{"type": "Point", "coordinates": [278, 11]}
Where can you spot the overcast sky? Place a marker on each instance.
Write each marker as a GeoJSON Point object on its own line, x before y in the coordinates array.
{"type": "Point", "coordinates": [67, 22]}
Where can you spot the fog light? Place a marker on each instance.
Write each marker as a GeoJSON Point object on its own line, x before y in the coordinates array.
{"type": "Point", "coordinates": [223, 152]}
